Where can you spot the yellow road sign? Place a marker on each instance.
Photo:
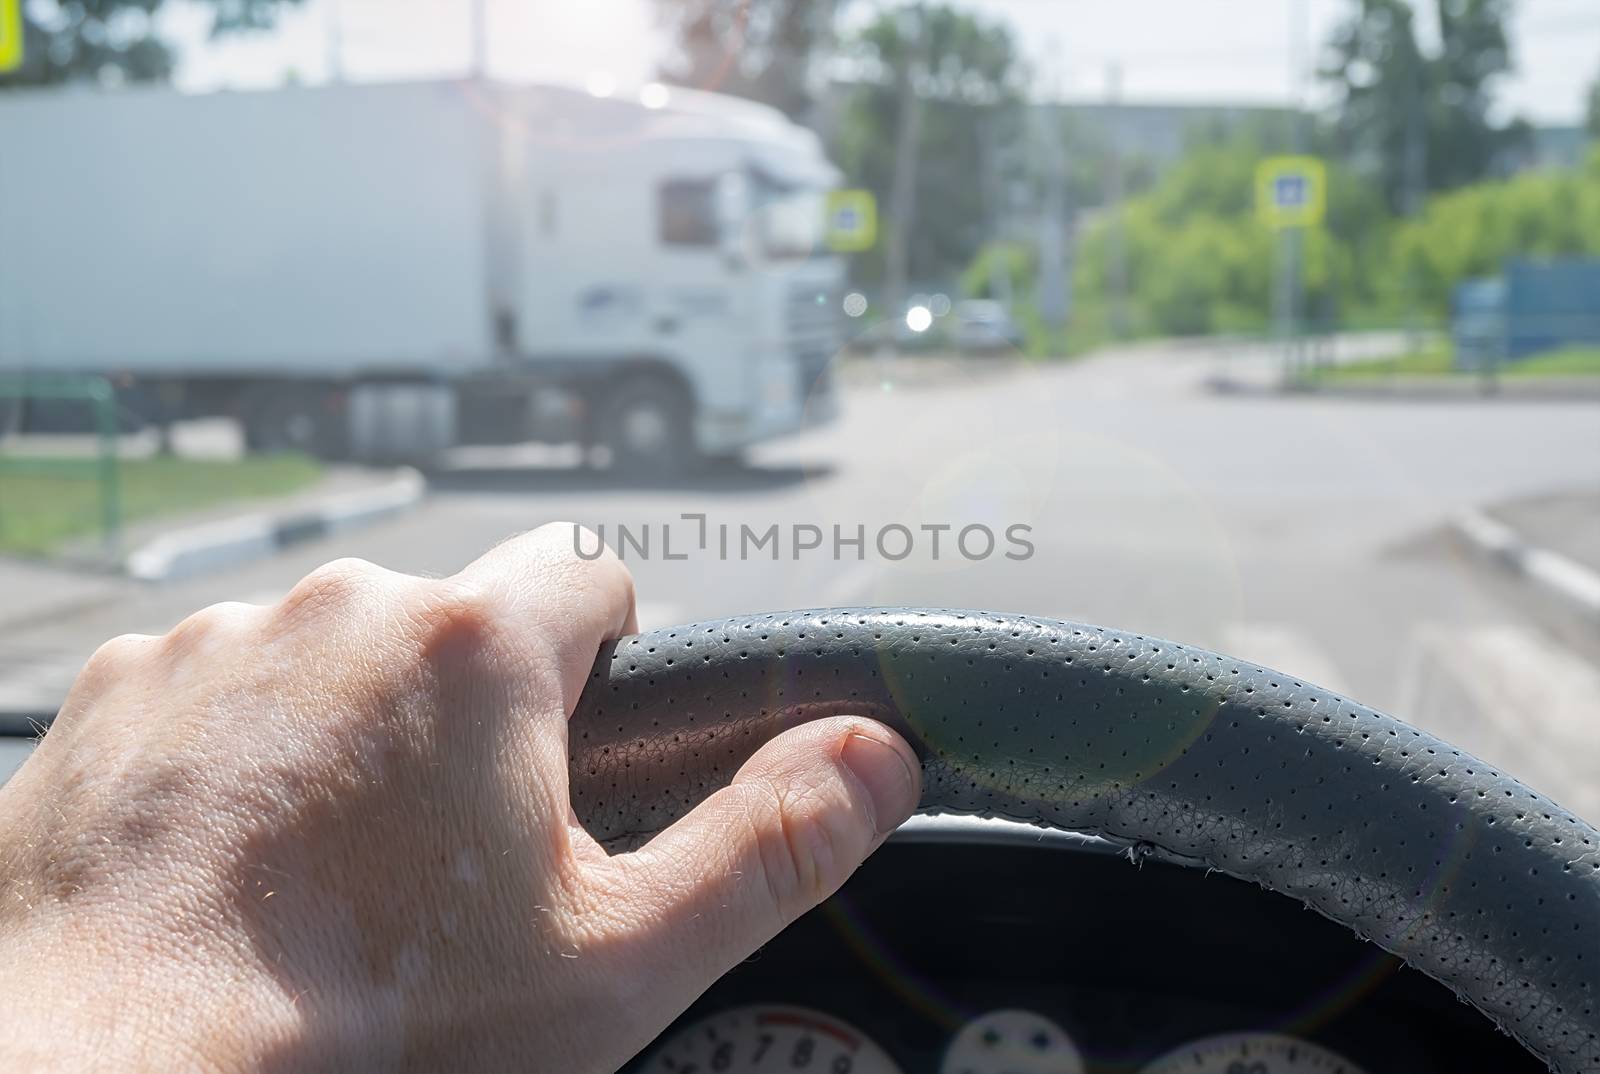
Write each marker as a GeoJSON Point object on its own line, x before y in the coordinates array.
{"type": "Point", "coordinates": [10, 34]}
{"type": "Point", "coordinates": [1291, 191]}
{"type": "Point", "coordinates": [852, 220]}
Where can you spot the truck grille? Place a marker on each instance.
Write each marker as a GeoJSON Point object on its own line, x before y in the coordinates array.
{"type": "Point", "coordinates": [815, 336]}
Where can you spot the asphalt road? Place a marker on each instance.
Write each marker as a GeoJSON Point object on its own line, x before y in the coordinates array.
{"type": "Point", "coordinates": [1304, 534]}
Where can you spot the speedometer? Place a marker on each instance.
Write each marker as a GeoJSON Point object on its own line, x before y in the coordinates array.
{"type": "Point", "coordinates": [1012, 1042]}
{"type": "Point", "coordinates": [762, 1038]}
{"type": "Point", "coordinates": [1251, 1053]}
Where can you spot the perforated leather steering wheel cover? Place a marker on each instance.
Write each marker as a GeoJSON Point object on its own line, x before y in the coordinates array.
{"type": "Point", "coordinates": [1461, 871]}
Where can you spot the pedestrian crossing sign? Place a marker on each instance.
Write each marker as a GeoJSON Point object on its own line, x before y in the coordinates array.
{"type": "Point", "coordinates": [852, 220]}
{"type": "Point", "coordinates": [1291, 191]}
{"type": "Point", "coordinates": [10, 35]}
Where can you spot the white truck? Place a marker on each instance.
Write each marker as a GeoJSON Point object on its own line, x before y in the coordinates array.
{"type": "Point", "coordinates": [381, 272]}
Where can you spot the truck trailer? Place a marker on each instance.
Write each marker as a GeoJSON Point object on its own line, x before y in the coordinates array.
{"type": "Point", "coordinates": [381, 272]}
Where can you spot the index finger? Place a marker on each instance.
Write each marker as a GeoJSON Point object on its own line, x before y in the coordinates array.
{"type": "Point", "coordinates": [566, 588]}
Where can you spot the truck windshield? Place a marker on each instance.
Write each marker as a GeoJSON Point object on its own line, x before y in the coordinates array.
{"type": "Point", "coordinates": [790, 220]}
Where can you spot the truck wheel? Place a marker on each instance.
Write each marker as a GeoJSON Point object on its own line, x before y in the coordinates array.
{"type": "Point", "coordinates": [645, 426]}
{"type": "Point", "coordinates": [305, 420]}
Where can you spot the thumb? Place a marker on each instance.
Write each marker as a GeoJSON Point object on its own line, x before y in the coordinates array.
{"type": "Point", "coordinates": [799, 816]}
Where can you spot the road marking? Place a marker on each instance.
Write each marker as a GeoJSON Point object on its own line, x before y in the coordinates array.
{"type": "Point", "coordinates": [1283, 648]}
{"type": "Point", "coordinates": [1515, 697]}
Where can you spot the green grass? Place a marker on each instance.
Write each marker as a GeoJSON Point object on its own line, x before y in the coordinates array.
{"type": "Point", "coordinates": [1566, 362]}
{"type": "Point", "coordinates": [1437, 360]}
{"type": "Point", "coordinates": [47, 501]}
{"type": "Point", "coordinates": [1432, 360]}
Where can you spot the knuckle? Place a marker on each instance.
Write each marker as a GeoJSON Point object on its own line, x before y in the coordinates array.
{"type": "Point", "coordinates": [578, 560]}
{"type": "Point", "coordinates": [574, 549]}
{"type": "Point", "coordinates": [114, 659]}
{"type": "Point", "coordinates": [571, 539]}
{"type": "Point", "coordinates": [333, 585]}
{"type": "Point", "coordinates": [454, 615]}
{"type": "Point", "coordinates": [206, 624]}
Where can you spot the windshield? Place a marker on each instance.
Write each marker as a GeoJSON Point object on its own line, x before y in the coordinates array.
{"type": "Point", "coordinates": [791, 221]}
{"type": "Point", "coordinates": [1275, 333]}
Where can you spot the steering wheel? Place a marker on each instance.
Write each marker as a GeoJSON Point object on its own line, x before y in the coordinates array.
{"type": "Point", "coordinates": [1456, 868]}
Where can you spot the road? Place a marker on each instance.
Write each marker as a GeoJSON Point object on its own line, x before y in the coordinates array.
{"type": "Point", "coordinates": [1303, 534]}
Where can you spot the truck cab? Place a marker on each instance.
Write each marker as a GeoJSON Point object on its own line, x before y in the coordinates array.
{"type": "Point", "coordinates": [678, 264]}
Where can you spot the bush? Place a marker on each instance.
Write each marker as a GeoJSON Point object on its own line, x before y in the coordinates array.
{"type": "Point", "coordinates": [1198, 260]}
{"type": "Point", "coordinates": [1473, 231]}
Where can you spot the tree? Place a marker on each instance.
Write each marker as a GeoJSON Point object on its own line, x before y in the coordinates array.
{"type": "Point", "coordinates": [966, 71]}
{"type": "Point", "coordinates": [1593, 115]}
{"type": "Point", "coordinates": [1381, 78]}
{"type": "Point", "coordinates": [760, 49]}
{"type": "Point", "coordinates": [1422, 123]}
{"type": "Point", "coordinates": [67, 40]}
{"type": "Point", "coordinates": [1464, 143]}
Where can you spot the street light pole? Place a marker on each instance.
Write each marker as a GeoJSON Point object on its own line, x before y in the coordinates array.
{"type": "Point", "coordinates": [480, 39]}
{"type": "Point", "coordinates": [1116, 239]}
{"type": "Point", "coordinates": [1054, 285]}
{"type": "Point", "coordinates": [903, 193]}
{"type": "Point", "coordinates": [333, 15]}
{"type": "Point", "coordinates": [1291, 241]}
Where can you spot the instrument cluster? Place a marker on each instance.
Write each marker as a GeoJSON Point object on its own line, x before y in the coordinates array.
{"type": "Point", "coordinates": [1004, 950]}
{"type": "Point", "coordinates": [758, 1038]}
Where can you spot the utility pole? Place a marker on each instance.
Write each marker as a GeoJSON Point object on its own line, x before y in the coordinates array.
{"type": "Point", "coordinates": [1291, 240]}
{"type": "Point", "coordinates": [333, 16]}
{"type": "Point", "coordinates": [1053, 299]}
{"type": "Point", "coordinates": [903, 191]}
{"type": "Point", "coordinates": [480, 39]}
{"type": "Point", "coordinates": [1416, 186]}
{"type": "Point", "coordinates": [1116, 233]}
{"type": "Point", "coordinates": [994, 205]}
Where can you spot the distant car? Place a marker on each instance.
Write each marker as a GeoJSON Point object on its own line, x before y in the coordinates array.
{"type": "Point", "coordinates": [898, 335]}
{"type": "Point", "coordinates": [985, 326]}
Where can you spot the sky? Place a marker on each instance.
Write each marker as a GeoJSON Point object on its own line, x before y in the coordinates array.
{"type": "Point", "coordinates": [1167, 51]}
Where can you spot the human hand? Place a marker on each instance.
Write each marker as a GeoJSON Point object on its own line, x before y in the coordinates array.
{"type": "Point", "coordinates": [334, 833]}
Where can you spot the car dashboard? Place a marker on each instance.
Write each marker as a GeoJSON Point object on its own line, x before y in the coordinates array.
{"type": "Point", "coordinates": [970, 947]}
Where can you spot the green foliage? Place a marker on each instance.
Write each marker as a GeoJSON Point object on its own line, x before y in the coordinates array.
{"type": "Point", "coordinates": [1199, 260]}
{"type": "Point", "coordinates": [1592, 112]}
{"type": "Point", "coordinates": [1017, 261]}
{"type": "Point", "coordinates": [1472, 231]}
{"type": "Point", "coordinates": [70, 40]}
{"type": "Point", "coordinates": [1433, 359]}
{"type": "Point", "coordinates": [970, 83]}
{"type": "Point", "coordinates": [759, 49]}
{"type": "Point", "coordinates": [1566, 362]}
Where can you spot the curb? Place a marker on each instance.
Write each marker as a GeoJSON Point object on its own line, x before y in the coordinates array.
{"type": "Point", "coordinates": [1572, 582]}
{"type": "Point", "coordinates": [1517, 391]}
{"type": "Point", "coordinates": [212, 546]}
